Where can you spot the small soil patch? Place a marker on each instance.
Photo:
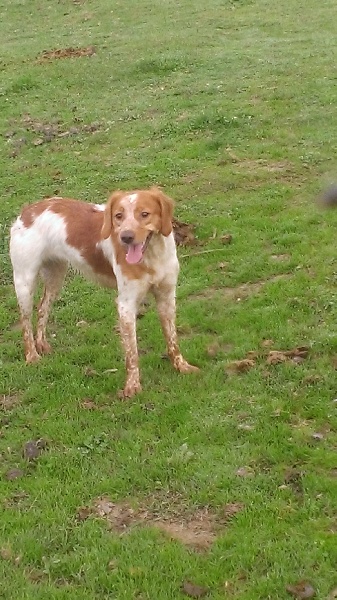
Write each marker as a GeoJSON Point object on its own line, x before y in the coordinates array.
{"type": "Point", "coordinates": [280, 257]}
{"type": "Point", "coordinates": [301, 590]}
{"type": "Point", "coordinates": [216, 348]}
{"type": "Point", "coordinates": [194, 591]}
{"type": "Point", "coordinates": [197, 530]}
{"type": "Point", "coordinates": [183, 233]}
{"type": "Point", "coordinates": [17, 500]}
{"type": "Point", "coordinates": [34, 132]}
{"type": "Point", "coordinates": [240, 366]}
{"type": "Point", "coordinates": [8, 402]}
{"type": "Point", "coordinates": [13, 474]}
{"type": "Point", "coordinates": [293, 479]}
{"type": "Point", "coordinates": [268, 166]}
{"type": "Point", "coordinates": [297, 355]}
{"type": "Point", "coordinates": [270, 357]}
{"type": "Point", "coordinates": [36, 575]}
{"type": "Point", "coordinates": [240, 292]}
{"type": "Point", "coordinates": [247, 289]}
{"type": "Point", "coordinates": [47, 55]}
{"type": "Point", "coordinates": [207, 294]}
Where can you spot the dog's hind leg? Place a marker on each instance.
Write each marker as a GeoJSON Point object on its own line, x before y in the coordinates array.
{"type": "Point", "coordinates": [52, 274]}
{"type": "Point", "coordinates": [24, 283]}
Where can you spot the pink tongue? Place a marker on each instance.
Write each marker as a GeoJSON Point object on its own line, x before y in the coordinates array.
{"type": "Point", "coordinates": [134, 254]}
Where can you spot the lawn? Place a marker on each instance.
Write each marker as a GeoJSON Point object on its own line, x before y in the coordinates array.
{"type": "Point", "coordinates": [221, 484]}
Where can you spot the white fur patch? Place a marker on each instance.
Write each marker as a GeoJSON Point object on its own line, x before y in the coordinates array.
{"type": "Point", "coordinates": [133, 198]}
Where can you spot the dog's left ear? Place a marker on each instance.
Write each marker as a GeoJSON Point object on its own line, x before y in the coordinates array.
{"type": "Point", "coordinates": [107, 222]}
{"type": "Point", "coordinates": [166, 207]}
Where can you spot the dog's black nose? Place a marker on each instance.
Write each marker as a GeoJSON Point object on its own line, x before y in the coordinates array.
{"type": "Point", "coordinates": [127, 237]}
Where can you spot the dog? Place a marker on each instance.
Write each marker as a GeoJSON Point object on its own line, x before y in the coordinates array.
{"type": "Point", "coordinates": [127, 243]}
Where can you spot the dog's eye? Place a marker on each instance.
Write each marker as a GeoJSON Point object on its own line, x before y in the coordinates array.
{"type": "Point", "coordinates": [118, 216]}
{"type": "Point", "coordinates": [144, 214]}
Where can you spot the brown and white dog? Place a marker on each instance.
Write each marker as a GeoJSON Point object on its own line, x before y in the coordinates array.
{"type": "Point", "coordinates": [127, 243]}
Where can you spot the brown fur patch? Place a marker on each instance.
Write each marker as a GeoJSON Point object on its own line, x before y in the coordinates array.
{"type": "Point", "coordinates": [31, 212]}
{"type": "Point", "coordinates": [84, 231]}
{"type": "Point", "coordinates": [83, 222]}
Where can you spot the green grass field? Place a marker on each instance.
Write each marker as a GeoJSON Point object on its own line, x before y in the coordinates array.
{"type": "Point", "coordinates": [224, 484]}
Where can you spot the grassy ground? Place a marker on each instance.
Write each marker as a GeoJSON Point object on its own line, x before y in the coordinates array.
{"type": "Point", "coordinates": [226, 481]}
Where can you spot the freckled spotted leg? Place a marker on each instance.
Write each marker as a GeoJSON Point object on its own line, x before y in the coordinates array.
{"type": "Point", "coordinates": [53, 275]}
{"type": "Point", "coordinates": [127, 311]}
{"type": "Point", "coordinates": [165, 298]}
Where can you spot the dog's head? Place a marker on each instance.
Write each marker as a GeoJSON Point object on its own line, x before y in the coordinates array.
{"type": "Point", "coordinates": [134, 216]}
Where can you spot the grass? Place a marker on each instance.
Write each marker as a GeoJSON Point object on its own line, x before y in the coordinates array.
{"type": "Point", "coordinates": [230, 106]}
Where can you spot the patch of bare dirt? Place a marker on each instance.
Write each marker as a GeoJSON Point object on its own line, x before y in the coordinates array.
{"type": "Point", "coordinates": [120, 517]}
{"type": "Point", "coordinates": [35, 132]}
{"type": "Point", "coordinates": [8, 402]}
{"type": "Point", "coordinates": [240, 366]}
{"type": "Point", "coordinates": [57, 128]}
{"type": "Point", "coordinates": [243, 291]}
{"type": "Point", "coordinates": [268, 356]}
{"type": "Point", "coordinates": [215, 348]}
{"type": "Point", "coordinates": [35, 575]}
{"type": "Point", "coordinates": [47, 55]}
{"type": "Point", "coordinates": [17, 500]}
{"type": "Point", "coordinates": [231, 509]}
{"type": "Point", "coordinates": [193, 590]}
{"type": "Point", "coordinates": [90, 404]}
{"type": "Point", "coordinates": [260, 164]}
{"type": "Point", "coordinates": [14, 473]}
{"type": "Point", "coordinates": [183, 233]}
{"type": "Point", "coordinates": [226, 239]}
{"type": "Point", "coordinates": [296, 354]}
{"type": "Point", "coordinates": [280, 257]}
{"type": "Point", "coordinates": [207, 294]}
{"type": "Point", "coordinates": [197, 530]}
{"type": "Point", "coordinates": [245, 472]}
{"type": "Point", "coordinates": [293, 479]}
{"type": "Point", "coordinates": [240, 292]}
{"type": "Point", "coordinates": [301, 590]}
{"type": "Point", "coordinates": [247, 289]}
{"type": "Point", "coordinates": [280, 166]}
{"type": "Point", "coordinates": [253, 165]}
{"type": "Point", "coordinates": [6, 553]}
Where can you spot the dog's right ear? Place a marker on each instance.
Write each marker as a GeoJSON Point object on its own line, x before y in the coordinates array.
{"type": "Point", "coordinates": [108, 214]}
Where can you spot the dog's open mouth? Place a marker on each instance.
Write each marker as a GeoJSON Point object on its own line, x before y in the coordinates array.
{"type": "Point", "coordinates": [135, 252]}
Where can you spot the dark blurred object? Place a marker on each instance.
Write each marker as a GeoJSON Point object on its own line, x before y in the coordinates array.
{"type": "Point", "coordinates": [328, 198]}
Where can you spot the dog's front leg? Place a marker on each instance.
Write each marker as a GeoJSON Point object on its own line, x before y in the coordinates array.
{"type": "Point", "coordinates": [127, 326]}
{"type": "Point", "coordinates": [166, 305]}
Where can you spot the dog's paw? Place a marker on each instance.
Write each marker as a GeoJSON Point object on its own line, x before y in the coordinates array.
{"type": "Point", "coordinates": [43, 347]}
{"type": "Point", "coordinates": [183, 366]}
{"type": "Point", "coordinates": [130, 389]}
{"type": "Point", "coordinates": [32, 357]}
